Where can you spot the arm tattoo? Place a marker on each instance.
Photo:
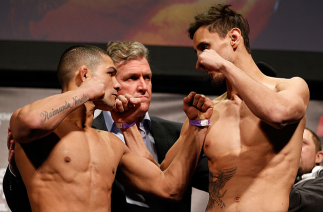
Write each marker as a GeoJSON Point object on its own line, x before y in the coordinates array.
{"type": "Point", "coordinates": [214, 187]}
{"type": "Point", "coordinates": [47, 115]}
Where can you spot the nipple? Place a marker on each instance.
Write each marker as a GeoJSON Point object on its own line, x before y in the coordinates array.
{"type": "Point", "coordinates": [67, 159]}
{"type": "Point", "coordinates": [207, 143]}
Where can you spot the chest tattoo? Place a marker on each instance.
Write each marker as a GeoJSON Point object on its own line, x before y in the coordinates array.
{"type": "Point", "coordinates": [214, 187]}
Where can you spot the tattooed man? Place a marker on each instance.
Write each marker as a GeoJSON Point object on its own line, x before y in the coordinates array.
{"type": "Point", "coordinates": [68, 166]}
{"type": "Point", "coordinates": [254, 142]}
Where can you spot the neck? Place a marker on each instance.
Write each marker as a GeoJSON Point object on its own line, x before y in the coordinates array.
{"type": "Point", "coordinates": [83, 115]}
{"type": "Point", "coordinates": [248, 66]}
{"type": "Point", "coordinates": [139, 119]}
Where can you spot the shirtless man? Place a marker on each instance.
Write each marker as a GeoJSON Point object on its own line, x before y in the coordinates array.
{"type": "Point", "coordinates": [254, 142]}
{"type": "Point", "coordinates": [68, 166]}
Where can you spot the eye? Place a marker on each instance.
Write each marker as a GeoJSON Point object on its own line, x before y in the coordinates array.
{"type": "Point", "coordinates": [132, 78]}
{"type": "Point", "coordinates": [112, 73]}
{"type": "Point", "coordinates": [205, 46]}
{"type": "Point", "coordinates": [147, 77]}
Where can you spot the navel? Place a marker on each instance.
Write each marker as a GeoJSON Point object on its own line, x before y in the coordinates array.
{"type": "Point", "coordinates": [113, 170]}
{"type": "Point", "coordinates": [237, 199]}
{"type": "Point", "coordinates": [67, 159]}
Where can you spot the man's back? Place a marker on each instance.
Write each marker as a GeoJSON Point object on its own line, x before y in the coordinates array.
{"type": "Point", "coordinates": [252, 165]}
{"type": "Point", "coordinates": [72, 169]}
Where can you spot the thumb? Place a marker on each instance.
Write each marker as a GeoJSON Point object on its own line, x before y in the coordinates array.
{"type": "Point", "coordinates": [135, 102]}
{"type": "Point", "coordinates": [187, 100]}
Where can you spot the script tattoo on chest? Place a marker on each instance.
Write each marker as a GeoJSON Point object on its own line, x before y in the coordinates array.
{"type": "Point", "coordinates": [214, 187]}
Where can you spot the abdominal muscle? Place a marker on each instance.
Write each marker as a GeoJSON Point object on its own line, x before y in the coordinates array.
{"type": "Point", "coordinates": [252, 165]}
{"type": "Point", "coordinates": [249, 178]}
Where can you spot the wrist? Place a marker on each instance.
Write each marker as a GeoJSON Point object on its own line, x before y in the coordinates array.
{"type": "Point", "coordinates": [200, 123]}
{"type": "Point", "coordinates": [125, 125]}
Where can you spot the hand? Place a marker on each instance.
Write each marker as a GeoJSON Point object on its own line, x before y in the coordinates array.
{"type": "Point", "coordinates": [11, 154]}
{"type": "Point", "coordinates": [197, 106]}
{"type": "Point", "coordinates": [94, 87]}
{"type": "Point", "coordinates": [209, 60]}
{"type": "Point", "coordinates": [127, 109]}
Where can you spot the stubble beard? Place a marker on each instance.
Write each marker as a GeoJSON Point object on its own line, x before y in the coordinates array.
{"type": "Point", "coordinates": [217, 80]}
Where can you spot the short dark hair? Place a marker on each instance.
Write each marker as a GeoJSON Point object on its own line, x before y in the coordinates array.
{"type": "Point", "coordinates": [221, 19]}
{"type": "Point", "coordinates": [316, 139]}
{"type": "Point", "coordinates": [76, 56]}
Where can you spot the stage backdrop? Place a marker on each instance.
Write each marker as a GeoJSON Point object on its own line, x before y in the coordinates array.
{"type": "Point", "coordinates": [275, 24]}
{"type": "Point", "coordinates": [168, 106]}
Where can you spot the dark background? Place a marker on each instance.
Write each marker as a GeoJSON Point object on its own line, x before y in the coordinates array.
{"type": "Point", "coordinates": [290, 43]}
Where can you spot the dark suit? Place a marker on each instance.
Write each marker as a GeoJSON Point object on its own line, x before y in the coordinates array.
{"type": "Point", "coordinates": [165, 133]}
{"type": "Point", "coordinates": [307, 196]}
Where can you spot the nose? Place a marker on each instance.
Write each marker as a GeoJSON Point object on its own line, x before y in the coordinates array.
{"type": "Point", "coordinates": [198, 52]}
{"type": "Point", "coordinates": [116, 84]}
{"type": "Point", "coordinates": [199, 66]}
{"type": "Point", "coordinates": [142, 84]}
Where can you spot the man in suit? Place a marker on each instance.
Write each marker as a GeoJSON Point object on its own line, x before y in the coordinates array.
{"type": "Point", "coordinates": [134, 75]}
{"type": "Point", "coordinates": [307, 192]}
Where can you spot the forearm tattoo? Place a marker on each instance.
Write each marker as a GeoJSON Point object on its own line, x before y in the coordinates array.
{"type": "Point", "coordinates": [214, 187]}
{"type": "Point", "coordinates": [49, 114]}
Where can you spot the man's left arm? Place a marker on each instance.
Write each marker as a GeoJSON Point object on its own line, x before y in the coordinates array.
{"type": "Point", "coordinates": [285, 105]}
{"type": "Point", "coordinates": [125, 115]}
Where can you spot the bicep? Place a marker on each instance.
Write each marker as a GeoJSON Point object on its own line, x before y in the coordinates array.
{"type": "Point", "coordinates": [14, 124]}
{"type": "Point", "coordinates": [295, 92]}
{"type": "Point", "coordinates": [140, 174]}
{"type": "Point", "coordinates": [172, 152]}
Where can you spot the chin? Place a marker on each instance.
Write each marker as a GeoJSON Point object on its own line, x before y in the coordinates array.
{"type": "Point", "coordinates": [105, 105]}
{"type": "Point", "coordinates": [217, 80]}
{"type": "Point", "coordinates": [144, 107]}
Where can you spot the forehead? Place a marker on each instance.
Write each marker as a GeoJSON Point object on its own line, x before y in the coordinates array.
{"type": "Point", "coordinates": [308, 136]}
{"type": "Point", "coordinates": [105, 64]}
{"type": "Point", "coordinates": [107, 60]}
{"type": "Point", "coordinates": [134, 66]}
{"type": "Point", "coordinates": [202, 35]}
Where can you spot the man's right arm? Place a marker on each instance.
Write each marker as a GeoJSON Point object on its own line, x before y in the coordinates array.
{"type": "Point", "coordinates": [39, 119]}
{"type": "Point", "coordinates": [171, 183]}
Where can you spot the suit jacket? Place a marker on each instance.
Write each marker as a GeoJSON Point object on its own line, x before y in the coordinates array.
{"type": "Point", "coordinates": [307, 196]}
{"type": "Point", "coordinates": [165, 133]}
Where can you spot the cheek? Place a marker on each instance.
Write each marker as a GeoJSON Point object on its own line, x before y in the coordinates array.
{"type": "Point", "coordinates": [308, 155]}
{"type": "Point", "coordinates": [126, 89]}
{"type": "Point", "coordinates": [149, 89]}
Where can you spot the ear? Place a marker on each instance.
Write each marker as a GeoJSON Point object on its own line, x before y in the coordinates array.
{"type": "Point", "coordinates": [319, 157]}
{"type": "Point", "coordinates": [83, 73]}
{"type": "Point", "coordinates": [235, 36]}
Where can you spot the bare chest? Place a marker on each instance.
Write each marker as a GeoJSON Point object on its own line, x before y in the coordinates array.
{"type": "Point", "coordinates": [78, 157]}
{"type": "Point", "coordinates": [233, 129]}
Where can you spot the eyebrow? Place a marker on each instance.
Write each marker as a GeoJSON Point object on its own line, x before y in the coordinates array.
{"type": "Point", "coordinates": [136, 74]}
{"type": "Point", "coordinates": [114, 70]}
{"type": "Point", "coordinates": [201, 44]}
